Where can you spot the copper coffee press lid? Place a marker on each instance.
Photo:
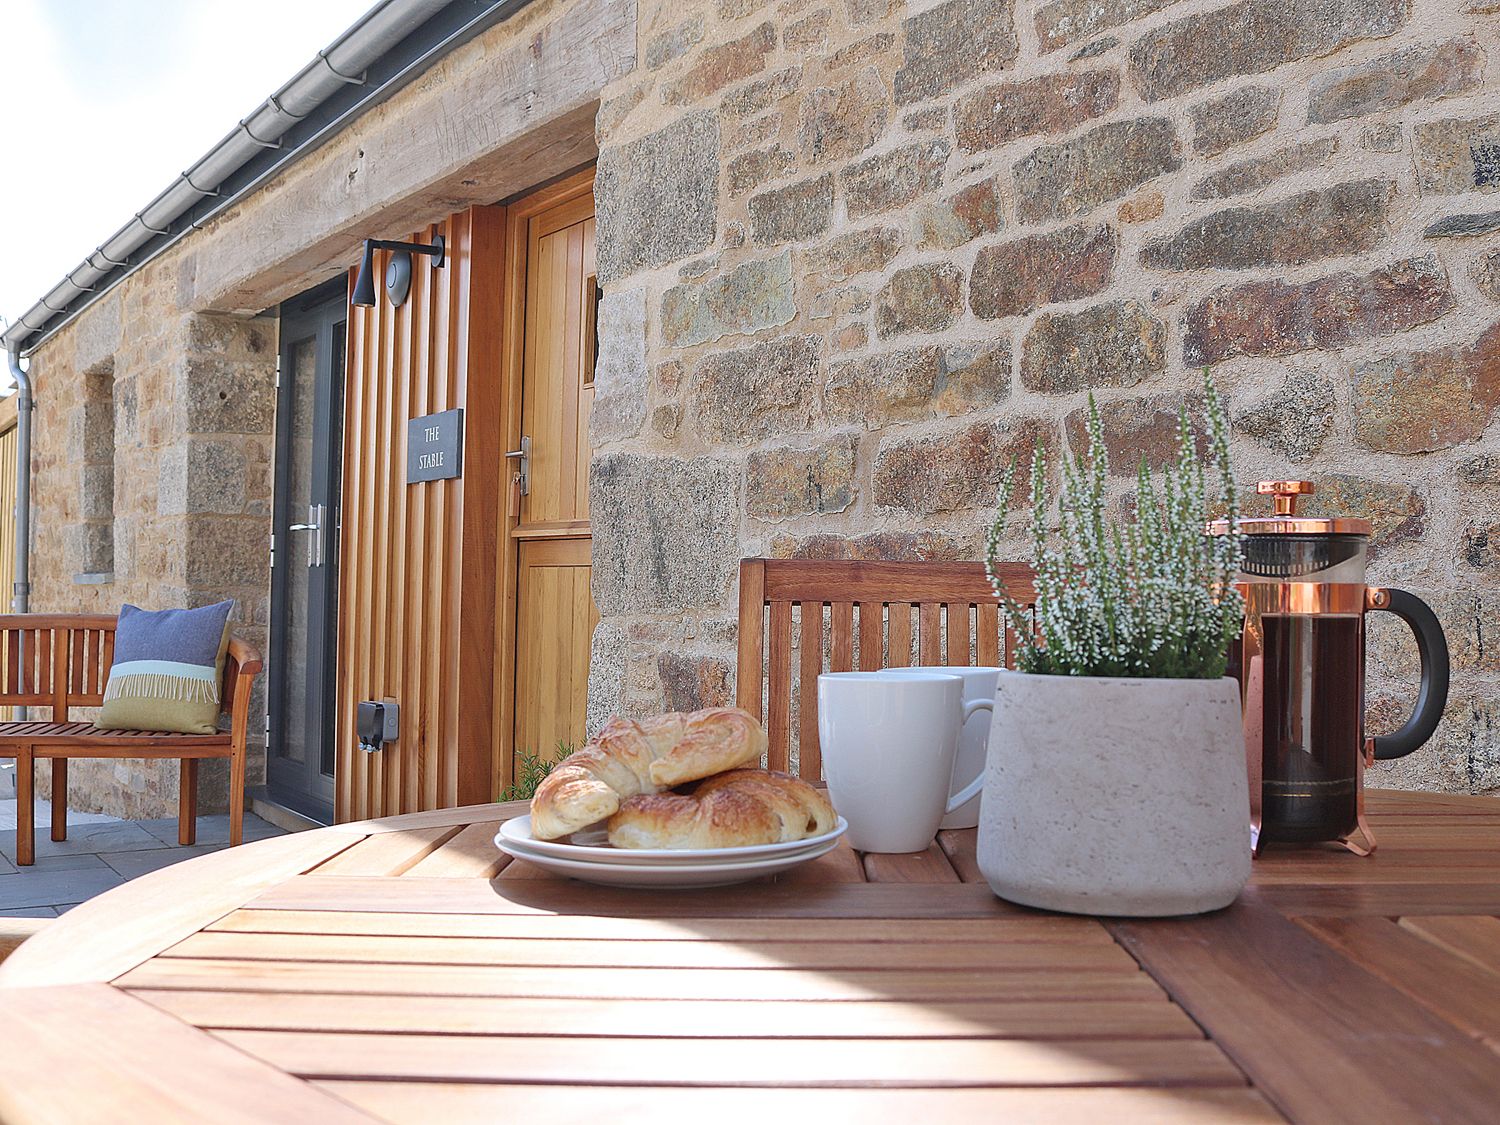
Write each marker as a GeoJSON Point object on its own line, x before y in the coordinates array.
{"type": "Point", "coordinates": [1284, 519]}
{"type": "Point", "coordinates": [1285, 545]}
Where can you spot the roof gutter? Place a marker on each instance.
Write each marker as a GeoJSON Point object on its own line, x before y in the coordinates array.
{"type": "Point", "coordinates": [384, 50]}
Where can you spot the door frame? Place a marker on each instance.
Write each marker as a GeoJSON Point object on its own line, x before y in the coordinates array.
{"type": "Point", "coordinates": [320, 309]}
{"type": "Point", "coordinates": [518, 215]}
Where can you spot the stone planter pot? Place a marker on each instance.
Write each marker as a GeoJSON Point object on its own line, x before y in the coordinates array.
{"type": "Point", "coordinates": [1116, 796]}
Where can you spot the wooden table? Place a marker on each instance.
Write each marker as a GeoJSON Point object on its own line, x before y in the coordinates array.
{"type": "Point", "coordinates": [402, 970]}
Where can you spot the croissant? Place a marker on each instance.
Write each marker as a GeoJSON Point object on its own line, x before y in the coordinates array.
{"type": "Point", "coordinates": [733, 809]}
{"type": "Point", "coordinates": [628, 757]}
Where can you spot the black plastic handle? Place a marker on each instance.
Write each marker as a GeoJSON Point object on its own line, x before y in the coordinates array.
{"type": "Point", "coordinates": [1432, 696]}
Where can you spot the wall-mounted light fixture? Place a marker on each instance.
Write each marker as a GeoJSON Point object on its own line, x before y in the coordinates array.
{"type": "Point", "coordinates": [397, 270]}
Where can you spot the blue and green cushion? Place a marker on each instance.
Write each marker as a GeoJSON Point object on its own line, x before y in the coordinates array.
{"type": "Point", "coordinates": [167, 669]}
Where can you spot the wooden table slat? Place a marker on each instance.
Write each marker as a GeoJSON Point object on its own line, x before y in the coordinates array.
{"type": "Point", "coordinates": [762, 1062]}
{"type": "Point", "coordinates": [1320, 1037]}
{"type": "Point", "coordinates": [958, 846]}
{"type": "Point", "coordinates": [1007, 928]}
{"type": "Point", "coordinates": [459, 817]}
{"type": "Point", "coordinates": [1383, 802]}
{"type": "Point", "coordinates": [645, 984]}
{"type": "Point", "coordinates": [1354, 899]}
{"type": "Point", "coordinates": [389, 854]}
{"type": "Point", "coordinates": [563, 953]}
{"type": "Point", "coordinates": [842, 865]}
{"type": "Point", "coordinates": [471, 854]}
{"type": "Point", "coordinates": [1454, 987]}
{"type": "Point", "coordinates": [718, 1019]}
{"type": "Point", "coordinates": [927, 866]}
{"type": "Point", "coordinates": [119, 1043]}
{"type": "Point", "coordinates": [1476, 938]}
{"type": "Point", "coordinates": [552, 896]}
{"type": "Point", "coordinates": [421, 1103]}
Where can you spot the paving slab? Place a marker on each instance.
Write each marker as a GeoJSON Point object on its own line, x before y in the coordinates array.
{"type": "Point", "coordinates": [46, 863]}
{"type": "Point", "coordinates": [44, 815]}
{"type": "Point", "coordinates": [85, 839]}
{"type": "Point", "coordinates": [211, 829]}
{"type": "Point", "coordinates": [51, 887]}
{"type": "Point", "coordinates": [134, 864]}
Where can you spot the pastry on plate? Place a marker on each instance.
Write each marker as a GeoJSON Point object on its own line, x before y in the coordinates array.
{"type": "Point", "coordinates": [738, 808]}
{"type": "Point", "coordinates": [630, 757]}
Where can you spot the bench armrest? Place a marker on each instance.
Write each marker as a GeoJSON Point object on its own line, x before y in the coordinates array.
{"type": "Point", "coordinates": [245, 656]}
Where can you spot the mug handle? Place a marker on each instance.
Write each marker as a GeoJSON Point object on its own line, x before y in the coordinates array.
{"type": "Point", "coordinates": [1432, 696]}
{"type": "Point", "coordinates": [975, 787]}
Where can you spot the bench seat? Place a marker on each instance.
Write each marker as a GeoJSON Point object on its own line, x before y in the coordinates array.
{"type": "Point", "coordinates": [59, 661]}
{"type": "Point", "coordinates": [140, 742]}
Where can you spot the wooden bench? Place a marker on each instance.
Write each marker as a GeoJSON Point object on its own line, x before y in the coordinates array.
{"type": "Point", "coordinates": [62, 661]}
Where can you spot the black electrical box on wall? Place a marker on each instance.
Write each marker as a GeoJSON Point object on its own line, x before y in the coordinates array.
{"type": "Point", "coordinates": [378, 722]}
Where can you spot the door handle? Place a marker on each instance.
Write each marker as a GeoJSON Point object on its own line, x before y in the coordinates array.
{"type": "Point", "coordinates": [523, 468]}
{"type": "Point", "coordinates": [316, 514]}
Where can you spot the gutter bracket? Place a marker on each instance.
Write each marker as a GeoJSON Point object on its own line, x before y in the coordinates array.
{"type": "Point", "coordinates": [207, 193]}
{"type": "Point", "coordinates": [245, 128]}
{"type": "Point", "coordinates": [362, 80]}
{"type": "Point", "coordinates": [281, 109]}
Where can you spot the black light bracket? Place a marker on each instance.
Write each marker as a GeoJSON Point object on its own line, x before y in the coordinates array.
{"type": "Point", "coordinates": [398, 271]}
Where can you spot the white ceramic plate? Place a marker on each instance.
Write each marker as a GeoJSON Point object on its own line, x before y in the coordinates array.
{"type": "Point", "coordinates": [665, 875]}
{"type": "Point", "coordinates": [592, 847]}
{"type": "Point", "coordinates": [610, 857]}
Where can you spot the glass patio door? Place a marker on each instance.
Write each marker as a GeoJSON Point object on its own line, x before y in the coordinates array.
{"type": "Point", "coordinates": [304, 565]}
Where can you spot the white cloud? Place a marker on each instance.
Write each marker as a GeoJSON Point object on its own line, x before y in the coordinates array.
{"type": "Point", "coordinates": [103, 102]}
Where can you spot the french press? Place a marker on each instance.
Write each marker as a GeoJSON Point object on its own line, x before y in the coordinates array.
{"type": "Point", "coordinates": [1300, 663]}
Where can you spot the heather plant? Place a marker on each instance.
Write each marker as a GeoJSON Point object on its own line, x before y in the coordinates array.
{"type": "Point", "coordinates": [1150, 595]}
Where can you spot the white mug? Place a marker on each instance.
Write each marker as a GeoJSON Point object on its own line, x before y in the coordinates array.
{"type": "Point", "coordinates": [974, 742]}
{"type": "Point", "coordinates": [889, 741]}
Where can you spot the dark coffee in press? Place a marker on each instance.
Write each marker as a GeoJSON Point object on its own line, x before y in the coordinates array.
{"type": "Point", "coordinates": [1313, 726]}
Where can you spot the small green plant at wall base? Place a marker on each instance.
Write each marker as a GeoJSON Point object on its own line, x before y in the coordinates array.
{"type": "Point", "coordinates": [531, 768]}
{"type": "Point", "coordinates": [1151, 596]}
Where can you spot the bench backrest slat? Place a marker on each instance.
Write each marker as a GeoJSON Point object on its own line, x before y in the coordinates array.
{"type": "Point", "coordinates": [62, 661]}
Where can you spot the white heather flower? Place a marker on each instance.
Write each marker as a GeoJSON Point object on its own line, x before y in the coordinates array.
{"type": "Point", "coordinates": [1152, 596]}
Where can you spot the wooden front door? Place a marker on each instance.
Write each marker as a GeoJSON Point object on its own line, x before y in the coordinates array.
{"type": "Point", "coordinates": [545, 636]}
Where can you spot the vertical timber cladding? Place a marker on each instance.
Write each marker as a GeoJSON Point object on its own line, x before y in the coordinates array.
{"type": "Point", "coordinates": [417, 584]}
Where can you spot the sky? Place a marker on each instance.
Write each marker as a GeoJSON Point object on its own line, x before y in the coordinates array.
{"type": "Point", "coordinates": [104, 102]}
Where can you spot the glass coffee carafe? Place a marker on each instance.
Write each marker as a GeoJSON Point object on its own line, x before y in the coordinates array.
{"type": "Point", "coordinates": [1300, 663]}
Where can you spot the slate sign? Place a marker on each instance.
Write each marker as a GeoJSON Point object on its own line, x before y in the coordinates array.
{"type": "Point", "coordinates": [435, 446]}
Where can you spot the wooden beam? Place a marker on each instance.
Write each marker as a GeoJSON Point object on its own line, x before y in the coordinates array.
{"type": "Point", "coordinates": [508, 111]}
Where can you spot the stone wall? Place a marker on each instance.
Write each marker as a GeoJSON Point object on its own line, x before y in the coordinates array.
{"type": "Point", "coordinates": [156, 406]}
{"type": "Point", "coordinates": [876, 250]}
{"type": "Point", "coordinates": [152, 485]}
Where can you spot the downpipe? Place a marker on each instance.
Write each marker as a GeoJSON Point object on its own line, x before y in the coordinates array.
{"type": "Point", "coordinates": [25, 404]}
